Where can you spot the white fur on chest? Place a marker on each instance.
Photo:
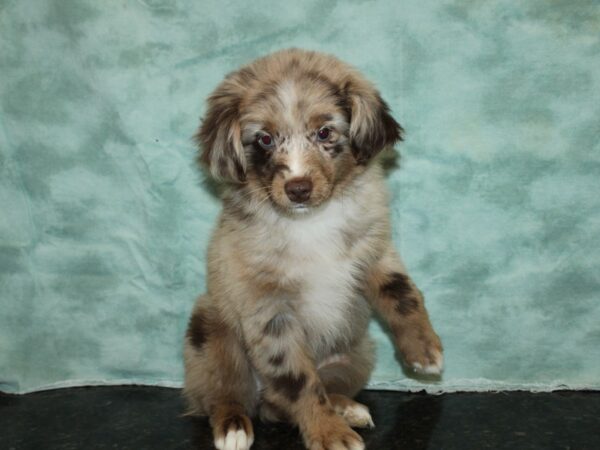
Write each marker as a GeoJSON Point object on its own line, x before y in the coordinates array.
{"type": "Point", "coordinates": [317, 260]}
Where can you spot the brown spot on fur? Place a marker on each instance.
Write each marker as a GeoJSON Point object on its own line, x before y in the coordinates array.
{"type": "Point", "coordinates": [198, 330]}
{"type": "Point", "coordinates": [277, 360]}
{"type": "Point", "coordinates": [398, 285]}
{"type": "Point", "coordinates": [289, 385]}
{"type": "Point", "coordinates": [205, 325]}
{"type": "Point", "coordinates": [401, 291]}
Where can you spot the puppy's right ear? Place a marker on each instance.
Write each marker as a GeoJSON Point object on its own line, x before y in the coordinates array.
{"type": "Point", "coordinates": [219, 136]}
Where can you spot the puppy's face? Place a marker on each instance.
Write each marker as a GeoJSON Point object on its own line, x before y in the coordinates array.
{"type": "Point", "coordinates": [295, 138]}
{"type": "Point", "coordinates": [294, 128]}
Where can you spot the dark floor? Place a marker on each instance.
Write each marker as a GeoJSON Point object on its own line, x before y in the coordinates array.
{"type": "Point", "coordinates": [135, 417]}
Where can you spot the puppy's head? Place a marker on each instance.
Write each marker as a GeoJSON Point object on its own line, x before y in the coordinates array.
{"type": "Point", "coordinates": [294, 127]}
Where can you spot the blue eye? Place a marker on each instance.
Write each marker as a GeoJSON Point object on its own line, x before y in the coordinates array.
{"type": "Point", "coordinates": [323, 134]}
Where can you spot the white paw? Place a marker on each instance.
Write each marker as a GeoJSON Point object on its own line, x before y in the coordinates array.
{"type": "Point", "coordinates": [234, 440]}
{"type": "Point", "coordinates": [431, 369]}
{"type": "Point", "coordinates": [357, 415]}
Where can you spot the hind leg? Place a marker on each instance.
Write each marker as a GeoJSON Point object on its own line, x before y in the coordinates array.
{"type": "Point", "coordinates": [343, 375]}
{"type": "Point", "coordinates": [219, 381]}
{"type": "Point", "coordinates": [347, 373]}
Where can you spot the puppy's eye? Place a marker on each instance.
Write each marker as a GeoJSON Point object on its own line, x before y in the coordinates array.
{"type": "Point", "coordinates": [265, 141]}
{"type": "Point", "coordinates": [323, 134]}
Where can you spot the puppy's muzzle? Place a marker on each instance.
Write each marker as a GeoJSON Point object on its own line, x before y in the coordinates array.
{"type": "Point", "coordinates": [298, 190]}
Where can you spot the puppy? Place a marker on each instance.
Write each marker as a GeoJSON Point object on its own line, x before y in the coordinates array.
{"type": "Point", "coordinates": [301, 254]}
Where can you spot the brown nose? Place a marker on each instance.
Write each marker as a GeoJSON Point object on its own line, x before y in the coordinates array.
{"type": "Point", "coordinates": [298, 190]}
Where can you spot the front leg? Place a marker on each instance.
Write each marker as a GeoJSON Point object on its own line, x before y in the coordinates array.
{"type": "Point", "coordinates": [278, 351]}
{"type": "Point", "coordinates": [401, 305]}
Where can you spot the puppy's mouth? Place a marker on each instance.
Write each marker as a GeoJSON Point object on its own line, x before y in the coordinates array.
{"type": "Point", "coordinates": [292, 209]}
{"type": "Point", "coordinates": [305, 208]}
{"type": "Point", "coordinates": [299, 209]}
{"type": "Point", "coordinates": [296, 209]}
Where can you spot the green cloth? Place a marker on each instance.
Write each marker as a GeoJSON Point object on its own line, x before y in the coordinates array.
{"type": "Point", "coordinates": [104, 219]}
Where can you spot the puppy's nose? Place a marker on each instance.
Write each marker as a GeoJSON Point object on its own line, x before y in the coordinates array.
{"type": "Point", "coordinates": [298, 190]}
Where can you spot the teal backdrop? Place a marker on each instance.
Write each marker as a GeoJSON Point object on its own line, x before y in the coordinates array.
{"type": "Point", "coordinates": [105, 220]}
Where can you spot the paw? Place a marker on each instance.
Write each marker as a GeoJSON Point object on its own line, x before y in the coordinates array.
{"type": "Point", "coordinates": [358, 416]}
{"type": "Point", "coordinates": [235, 434]}
{"type": "Point", "coordinates": [234, 440]}
{"type": "Point", "coordinates": [333, 434]}
{"type": "Point", "coordinates": [433, 364]}
{"type": "Point", "coordinates": [422, 353]}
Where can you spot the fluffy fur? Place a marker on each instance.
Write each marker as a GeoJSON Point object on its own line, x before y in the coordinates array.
{"type": "Point", "coordinates": [301, 254]}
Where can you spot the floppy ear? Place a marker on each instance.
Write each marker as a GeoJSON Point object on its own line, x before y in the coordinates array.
{"type": "Point", "coordinates": [219, 136]}
{"type": "Point", "coordinates": [372, 128]}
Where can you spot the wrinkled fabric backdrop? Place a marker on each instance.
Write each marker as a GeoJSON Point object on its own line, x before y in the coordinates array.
{"type": "Point", "coordinates": [105, 220]}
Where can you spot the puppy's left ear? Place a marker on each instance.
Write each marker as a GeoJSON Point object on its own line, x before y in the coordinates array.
{"type": "Point", "coordinates": [372, 127]}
